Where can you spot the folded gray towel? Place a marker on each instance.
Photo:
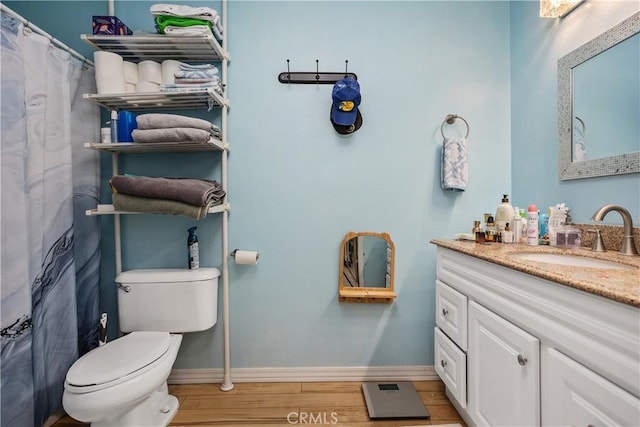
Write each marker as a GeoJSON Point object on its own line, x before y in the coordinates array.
{"type": "Point", "coordinates": [162, 121]}
{"type": "Point", "coordinates": [171, 135]}
{"type": "Point", "coordinates": [130, 203]}
{"type": "Point", "coordinates": [197, 192]}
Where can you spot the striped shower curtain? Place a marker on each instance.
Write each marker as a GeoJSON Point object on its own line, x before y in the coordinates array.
{"type": "Point", "coordinates": [50, 250]}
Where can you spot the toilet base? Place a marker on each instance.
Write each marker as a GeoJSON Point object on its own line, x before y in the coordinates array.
{"type": "Point", "coordinates": [157, 410]}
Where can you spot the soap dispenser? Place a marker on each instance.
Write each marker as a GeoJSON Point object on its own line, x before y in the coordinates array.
{"type": "Point", "coordinates": [504, 214]}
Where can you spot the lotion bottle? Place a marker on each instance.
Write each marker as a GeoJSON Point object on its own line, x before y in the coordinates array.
{"type": "Point", "coordinates": [532, 225]}
{"type": "Point", "coordinates": [504, 214]}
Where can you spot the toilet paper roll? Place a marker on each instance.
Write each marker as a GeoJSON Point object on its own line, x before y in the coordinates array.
{"type": "Point", "coordinates": [109, 71]}
{"type": "Point", "coordinates": [246, 257]}
{"type": "Point", "coordinates": [147, 87]}
{"type": "Point", "coordinates": [130, 72]}
{"type": "Point", "coordinates": [150, 71]}
{"type": "Point", "coordinates": [169, 67]}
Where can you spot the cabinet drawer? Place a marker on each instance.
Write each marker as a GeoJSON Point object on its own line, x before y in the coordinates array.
{"type": "Point", "coordinates": [451, 366]}
{"type": "Point", "coordinates": [451, 313]}
{"type": "Point", "coordinates": [572, 395]}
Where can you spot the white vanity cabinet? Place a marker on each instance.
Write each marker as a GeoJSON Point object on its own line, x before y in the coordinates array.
{"type": "Point", "coordinates": [517, 350]}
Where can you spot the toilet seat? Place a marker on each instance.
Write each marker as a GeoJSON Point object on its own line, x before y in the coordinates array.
{"type": "Point", "coordinates": [117, 361]}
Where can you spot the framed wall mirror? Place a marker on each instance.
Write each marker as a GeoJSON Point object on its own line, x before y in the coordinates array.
{"type": "Point", "coordinates": [366, 268]}
{"type": "Point", "coordinates": [599, 105]}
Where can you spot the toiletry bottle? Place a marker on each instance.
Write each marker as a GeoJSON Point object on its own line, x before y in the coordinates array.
{"type": "Point", "coordinates": [114, 126]}
{"type": "Point", "coordinates": [490, 230]}
{"type": "Point", "coordinates": [507, 234]}
{"type": "Point", "coordinates": [192, 245]}
{"type": "Point", "coordinates": [516, 228]}
{"type": "Point", "coordinates": [543, 225]}
{"type": "Point", "coordinates": [523, 227]}
{"type": "Point", "coordinates": [476, 227]}
{"type": "Point", "coordinates": [532, 225]}
{"type": "Point", "coordinates": [478, 232]}
{"type": "Point", "coordinates": [504, 214]}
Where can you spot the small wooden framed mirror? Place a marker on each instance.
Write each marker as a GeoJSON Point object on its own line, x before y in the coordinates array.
{"type": "Point", "coordinates": [366, 268]}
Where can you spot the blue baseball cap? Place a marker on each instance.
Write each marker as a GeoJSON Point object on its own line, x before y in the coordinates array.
{"type": "Point", "coordinates": [346, 99]}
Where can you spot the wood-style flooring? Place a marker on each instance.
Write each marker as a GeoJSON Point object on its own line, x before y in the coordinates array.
{"type": "Point", "coordinates": [286, 404]}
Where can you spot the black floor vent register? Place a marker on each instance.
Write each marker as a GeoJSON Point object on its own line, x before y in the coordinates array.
{"type": "Point", "coordinates": [386, 401]}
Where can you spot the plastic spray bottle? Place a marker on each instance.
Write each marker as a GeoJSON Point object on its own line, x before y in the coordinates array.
{"type": "Point", "coordinates": [114, 126]}
{"type": "Point", "coordinates": [532, 225]}
{"type": "Point", "coordinates": [194, 253]}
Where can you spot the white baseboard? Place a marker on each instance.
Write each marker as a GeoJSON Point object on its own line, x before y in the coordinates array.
{"type": "Point", "coordinates": [347, 373]}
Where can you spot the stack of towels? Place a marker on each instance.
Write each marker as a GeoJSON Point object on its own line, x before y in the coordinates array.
{"type": "Point", "coordinates": [177, 196]}
{"type": "Point", "coordinates": [181, 20]}
{"type": "Point", "coordinates": [157, 127]}
{"type": "Point", "coordinates": [187, 76]}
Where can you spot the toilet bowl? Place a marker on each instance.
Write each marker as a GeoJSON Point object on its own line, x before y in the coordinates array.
{"type": "Point", "coordinates": [124, 383]}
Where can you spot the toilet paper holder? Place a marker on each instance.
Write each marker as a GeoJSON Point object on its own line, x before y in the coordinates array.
{"type": "Point", "coordinates": [233, 254]}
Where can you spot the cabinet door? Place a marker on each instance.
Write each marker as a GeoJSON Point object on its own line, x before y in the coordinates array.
{"type": "Point", "coordinates": [503, 371]}
{"type": "Point", "coordinates": [573, 395]}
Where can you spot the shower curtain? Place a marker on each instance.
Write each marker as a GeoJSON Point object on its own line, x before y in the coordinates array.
{"type": "Point", "coordinates": [50, 249]}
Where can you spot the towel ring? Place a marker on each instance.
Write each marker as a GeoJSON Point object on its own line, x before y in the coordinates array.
{"type": "Point", "coordinates": [450, 119]}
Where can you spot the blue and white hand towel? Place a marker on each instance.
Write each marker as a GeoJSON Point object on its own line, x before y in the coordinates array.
{"type": "Point", "coordinates": [454, 170]}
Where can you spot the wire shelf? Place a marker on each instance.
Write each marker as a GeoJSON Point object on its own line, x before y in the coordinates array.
{"type": "Point", "coordinates": [110, 210]}
{"type": "Point", "coordinates": [157, 47]}
{"type": "Point", "coordinates": [183, 99]}
{"type": "Point", "coordinates": [158, 147]}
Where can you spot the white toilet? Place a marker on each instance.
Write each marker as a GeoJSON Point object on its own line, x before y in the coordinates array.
{"type": "Point", "coordinates": [124, 383]}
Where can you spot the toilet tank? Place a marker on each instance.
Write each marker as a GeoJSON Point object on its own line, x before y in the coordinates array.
{"type": "Point", "coordinates": [169, 300]}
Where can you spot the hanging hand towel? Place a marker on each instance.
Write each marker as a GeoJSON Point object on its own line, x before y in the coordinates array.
{"type": "Point", "coordinates": [454, 170]}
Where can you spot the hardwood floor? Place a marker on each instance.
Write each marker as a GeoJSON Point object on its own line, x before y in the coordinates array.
{"type": "Point", "coordinates": [286, 404]}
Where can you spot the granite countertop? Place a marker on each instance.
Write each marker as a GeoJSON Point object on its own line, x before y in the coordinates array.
{"type": "Point", "coordinates": [618, 285]}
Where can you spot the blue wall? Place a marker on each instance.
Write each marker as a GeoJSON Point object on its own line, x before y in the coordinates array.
{"type": "Point", "coordinates": [536, 45]}
{"type": "Point", "coordinates": [296, 187]}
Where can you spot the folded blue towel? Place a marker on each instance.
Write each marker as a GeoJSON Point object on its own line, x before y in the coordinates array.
{"type": "Point", "coordinates": [196, 74]}
{"type": "Point", "coordinates": [455, 170]}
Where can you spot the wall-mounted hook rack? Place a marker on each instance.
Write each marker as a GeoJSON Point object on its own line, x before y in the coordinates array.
{"type": "Point", "coordinates": [316, 77]}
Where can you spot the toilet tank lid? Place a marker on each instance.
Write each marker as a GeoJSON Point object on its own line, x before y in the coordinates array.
{"type": "Point", "coordinates": [167, 275]}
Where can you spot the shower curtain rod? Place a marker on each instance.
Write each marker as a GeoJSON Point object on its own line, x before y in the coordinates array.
{"type": "Point", "coordinates": [33, 27]}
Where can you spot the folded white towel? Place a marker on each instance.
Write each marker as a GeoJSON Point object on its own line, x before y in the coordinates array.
{"type": "Point", "coordinates": [192, 31]}
{"type": "Point", "coordinates": [455, 170]}
{"type": "Point", "coordinates": [204, 13]}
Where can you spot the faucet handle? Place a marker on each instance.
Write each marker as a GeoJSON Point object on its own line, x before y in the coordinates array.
{"type": "Point", "coordinates": [598, 244]}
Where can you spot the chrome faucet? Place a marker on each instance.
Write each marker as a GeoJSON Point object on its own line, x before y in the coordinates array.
{"type": "Point", "coordinates": [628, 246]}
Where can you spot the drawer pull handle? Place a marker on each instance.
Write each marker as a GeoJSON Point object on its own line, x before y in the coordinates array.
{"type": "Point", "coordinates": [522, 360]}
{"type": "Point", "coordinates": [445, 311]}
{"type": "Point", "coordinates": [443, 363]}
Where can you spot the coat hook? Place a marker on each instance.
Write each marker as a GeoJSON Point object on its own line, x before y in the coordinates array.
{"type": "Point", "coordinates": [346, 67]}
{"type": "Point", "coordinates": [317, 72]}
{"type": "Point", "coordinates": [288, 71]}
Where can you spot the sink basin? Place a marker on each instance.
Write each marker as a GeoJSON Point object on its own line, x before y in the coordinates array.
{"type": "Point", "coordinates": [572, 260]}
